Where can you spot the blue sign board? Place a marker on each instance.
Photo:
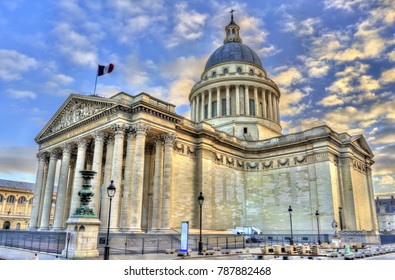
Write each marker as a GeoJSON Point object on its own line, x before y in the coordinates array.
{"type": "Point", "coordinates": [184, 237]}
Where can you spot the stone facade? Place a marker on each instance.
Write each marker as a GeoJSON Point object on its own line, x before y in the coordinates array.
{"type": "Point", "coordinates": [16, 200]}
{"type": "Point", "coordinates": [248, 171]}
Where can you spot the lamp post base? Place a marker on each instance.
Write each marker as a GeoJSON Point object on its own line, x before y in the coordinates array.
{"type": "Point", "coordinates": [106, 252]}
{"type": "Point", "coordinates": [200, 248]}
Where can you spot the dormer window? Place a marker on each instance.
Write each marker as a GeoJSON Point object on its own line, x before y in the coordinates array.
{"type": "Point", "coordinates": [214, 74]}
{"type": "Point", "coordinates": [251, 71]}
{"type": "Point", "coordinates": [226, 70]}
{"type": "Point", "coordinates": [238, 69]}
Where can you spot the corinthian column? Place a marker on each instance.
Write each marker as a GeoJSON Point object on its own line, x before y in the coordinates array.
{"type": "Point", "coordinates": [247, 101]}
{"type": "Point", "coordinates": [138, 177]}
{"type": "Point", "coordinates": [37, 191]}
{"type": "Point", "coordinates": [256, 101]}
{"type": "Point", "coordinates": [106, 182]}
{"type": "Point", "coordinates": [54, 156]}
{"type": "Point", "coordinates": [97, 166]}
{"type": "Point", "coordinates": [156, 190]}
{"type": "Point", "coordinates": [127, 188]}
{"type": "Point", "coordinates": [264, 111]}
{"type": "Point", "coordinates": [202, 109]}
{"type": "Point", "coordinates": [167, 180]}
{"type": "Point", "coordinates": [209, 103]}
{"type": "Point", "coordinates": [116, 174]}
{"type": "Point", "coordinates": [237, 100]}
{"type": "Point", "coordinates": [270, 106]}
{"type": "Point", "coordinates": [62, 188]}
{"type": "Point", "coordinates": [77, 183]}
{"type": "Point", "coordinates": [227, 101]}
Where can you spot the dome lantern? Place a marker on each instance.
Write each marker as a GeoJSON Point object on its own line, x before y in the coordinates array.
{"type": "Point", "coordinates": [232, 31]}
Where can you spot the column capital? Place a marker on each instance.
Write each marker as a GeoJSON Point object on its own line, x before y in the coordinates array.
{"type": "Point", "coordinates": [169, 138]}
{"type": "Point", "coordinates": [141, 129]}
{"type": "Point", "coordinates": [41, 156]}
{"type": "Point", "coordinates": [98, 136]}
{"type": "Point", "coordinates": [54, 153]}
{"type": "Point", "coordinates": [67, 148]}
{"type": "Point", "coordinates": [118, 129]}
{"type": "Point", "coordinates": [130, 132]}
{"type": "Point", "coordinates": [82, 143]}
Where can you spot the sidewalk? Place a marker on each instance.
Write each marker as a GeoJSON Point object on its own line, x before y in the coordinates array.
{"type": "Point", "coordinates": [7, 253]}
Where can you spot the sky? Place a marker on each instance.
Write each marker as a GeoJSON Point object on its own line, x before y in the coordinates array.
{"type": "Point", "coordinates": [333, 61]}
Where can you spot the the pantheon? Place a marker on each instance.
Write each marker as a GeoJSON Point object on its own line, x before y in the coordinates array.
{"type": "Point", "coordinates": [232, 149]}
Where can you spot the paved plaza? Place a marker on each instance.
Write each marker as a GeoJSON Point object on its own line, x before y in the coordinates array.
{"type": "Point", "coordinates": [7, 253]}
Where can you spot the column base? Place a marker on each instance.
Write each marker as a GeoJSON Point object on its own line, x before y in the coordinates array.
{"type": "Point", "coordinates": [135, 230]}
{"type": "Point", "coordinates": [43, 229]}
{"type": "Point", "coordinates": [58, 229]}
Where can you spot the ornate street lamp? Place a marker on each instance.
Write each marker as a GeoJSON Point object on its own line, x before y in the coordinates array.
{"type": "Point", "coordinates": [200, 200]}
{"type": "Point", "coordinates": [110, 192]}
{"type": "Point", "coordinates": [317, 215]}
{"type": "Point", "coordinates": [291, 241]}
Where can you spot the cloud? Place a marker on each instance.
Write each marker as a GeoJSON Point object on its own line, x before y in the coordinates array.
{"type": "Point", "coordinates": [290, 102]}
{"type": "Point", "coordinates": [181, 67]}
{"type": "Point", "coordinates": [79, 47]}
{"type": "Point", "coordinates": [331, 100]}
{"type": "Point", "coordinates": [179, 91]}
{"type": "Point", "coordinates": [18, 159]}
{"type": "Point", "coordinates": [388, 76]}
{"type": "Point", "coordinates": [287, 76]}
{"type": "Point", "coordinates": [189, 25]}
{"type": "Point", "coordinates": [384, 160]}
{"type": "Point", "coordinates": [348, 5]}
{"type": "Point", "coordinates": [21, 94]}
{"type": "Point", "coordinates": [14, 64]}
{"type": "Point", "coordinates": [353, 79]}
{"type": "Point", "coordinates": [302, 28]}
{"type": "Point", "coordinates": [316, 68]}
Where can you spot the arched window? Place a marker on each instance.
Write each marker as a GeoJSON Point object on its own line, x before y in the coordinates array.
{"type": "Point", "coordinates": [238, 70]}
{"type": "Point", "coordinates": [11, 199]}
{"type": "Point", "coordinates": [6, 225]}
{"type": "Point", "coordinates": [31, 201]}
{"type": "Point", "coordinates": [251, 71]}
{"type": "Point", "coordinates": [22, 200]}
{"type": "Point", "coordinates": [18, 226]}
{"type": "Point", "coordinates": [233, 31]}
{"type": "Point", "coordinates": [1, 198]}
{"type": "Point", "coordinates": [226, 70]}
{"type": "Point", "coordinates": [214, 74]}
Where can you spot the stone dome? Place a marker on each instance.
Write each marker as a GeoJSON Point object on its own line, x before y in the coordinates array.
{"type": "Point", "coordinates": [233, 51]}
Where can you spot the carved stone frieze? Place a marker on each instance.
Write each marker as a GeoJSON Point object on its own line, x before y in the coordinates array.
{"type": "Point", "coordinates": [191, 151]}
{"type": "Point", "coordinates": [253, 165]}
{"type": "Point", "coordinates": [218, 158]}
{"type": "Point", "coordinates": [74, 112]}
{"type": "Point", "coordinates": [300, 160]}
{"type": "Point", "coordinates": [179, 147]}
{"type": "Point", "coordinates": [283, 162]}
{"type": "Point", "coordinates": [267, 164]}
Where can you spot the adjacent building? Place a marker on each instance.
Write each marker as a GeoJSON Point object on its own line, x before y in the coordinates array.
{"type": "Point", "coordinates": [385, 207]}
{"type": "Point", "coordinates": [231, 149]}
{"type": "Point", "coordinates": [15, 204]}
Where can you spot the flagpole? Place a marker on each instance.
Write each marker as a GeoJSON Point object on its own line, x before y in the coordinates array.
{"type": "Point", "coordinates": [94, 92]}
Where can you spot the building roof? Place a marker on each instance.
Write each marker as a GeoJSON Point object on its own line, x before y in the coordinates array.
{"type": "Point", "coordinates": [233, 51]}
{"type": "Point", "coordinates": [16, 185]}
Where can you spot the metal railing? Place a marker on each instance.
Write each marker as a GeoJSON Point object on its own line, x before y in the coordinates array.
{"type": "Point", "coordinates": [40, 241]}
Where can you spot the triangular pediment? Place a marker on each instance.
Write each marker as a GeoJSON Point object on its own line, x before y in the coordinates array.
{"type": "Point", "coordinates": [75, 109]}
{"type": "Point", "coordinates": [360, 142]}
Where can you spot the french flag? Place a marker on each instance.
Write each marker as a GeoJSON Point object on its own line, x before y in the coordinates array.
{"type": "Point", "coordinates": [105, 69]}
